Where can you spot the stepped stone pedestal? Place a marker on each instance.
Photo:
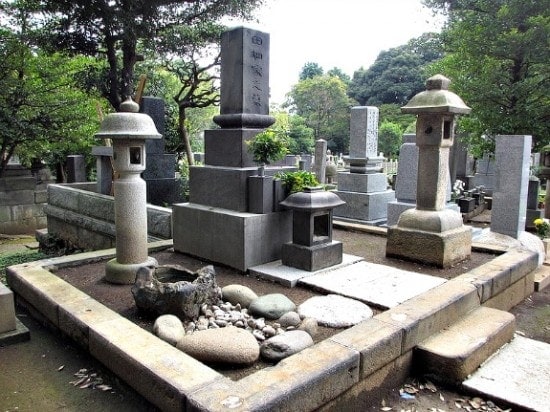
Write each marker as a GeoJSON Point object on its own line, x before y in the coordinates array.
{"type": "Point", "coordinates": [217, 223]}
{"type": "Point", "coordinates": [364, 188]}
{"type": "Point", "coordinates": [11, 329]}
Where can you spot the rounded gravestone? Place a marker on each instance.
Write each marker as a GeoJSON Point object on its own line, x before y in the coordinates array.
{"type": "Point", "coordinates": [271, 306]}
{"type": "Point", "coordinates": [238, 294]}
{"type": "Point", "coordinates": [228, 345]}
{"type": "Point", "coordinates": [335, 311]}
{"type": "Point", "coordinates": [286, 344]}
{"type": "Point", "coordinates": [169, 328]}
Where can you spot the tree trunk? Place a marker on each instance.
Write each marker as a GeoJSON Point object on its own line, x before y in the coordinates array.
{"type": "Point", "coordinates": [185, 136]}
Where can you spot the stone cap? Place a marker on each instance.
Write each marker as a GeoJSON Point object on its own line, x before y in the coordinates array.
{"type": "Point", "coordinates": [436, 99]}
{"type": "Point", "coordinates": [128, 124]}
{"type": "Point", "coordinates": [312, 199]}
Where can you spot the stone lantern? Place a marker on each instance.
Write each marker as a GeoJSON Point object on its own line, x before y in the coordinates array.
{"type": "Point", "coordinates": [128, 130]}
{"type": "Point", "coordinates": [312, 247]}
{"type": "Point", "coordinates": [431, 233]}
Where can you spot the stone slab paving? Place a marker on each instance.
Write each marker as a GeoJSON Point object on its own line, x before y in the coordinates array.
{"type": "Point", "coordinates": [289, 276]}
{"type": "Point", "coordinates": [372, 283]}
{"type": "Point", "coordinates": [518, 374]}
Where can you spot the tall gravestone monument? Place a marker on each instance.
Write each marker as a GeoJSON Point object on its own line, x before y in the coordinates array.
{"type": "Point", "coordinates": [364, 187]}
{"type": "Point", "coordinates": [431, 233]}
{"type": "Point", "coordinates": [511, 184]}
{"type": "Point", "coordinates": [216, 223]}
{"type": "Point", "coordinates": [405, 185]}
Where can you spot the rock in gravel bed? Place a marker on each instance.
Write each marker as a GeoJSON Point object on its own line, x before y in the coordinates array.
{"type": "Point", "coordinates": [238, 294]}
{"type": "Point", "coordinates": [271, 306]}
{"type": "Point", "coordinates": [335, 311]}
{"type": "Point", "coordinates": [286, 344]}
{"type": "Point", "coordinates": [169, 328]}
{"type": "Point", "coordinates": [229, 345]}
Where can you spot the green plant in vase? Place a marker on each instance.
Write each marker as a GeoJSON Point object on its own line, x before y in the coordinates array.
{"type": "Point", "coordinates": [267, 147]}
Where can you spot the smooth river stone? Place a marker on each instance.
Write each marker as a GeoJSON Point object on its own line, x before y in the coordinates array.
{"type": "Point", "coordinates": [271, 306]}
{"type": "Point", "coordinates": [169, 328]}
{"type": "Point", "coordinates": [228, 345]}
{"type": "Point", "coordinates": [238, 294]}
{"type": "Point", "coordinates": [286, 344]}
{"type": "Point", "coordinates": [335, 311]}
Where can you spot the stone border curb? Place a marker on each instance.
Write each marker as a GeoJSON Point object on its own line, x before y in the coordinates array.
{"type": "Point", "coordinates": [344, 371]}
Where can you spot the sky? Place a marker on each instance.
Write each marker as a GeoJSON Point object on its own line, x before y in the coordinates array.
{"type": "Point", "coordinates": [348, 34]}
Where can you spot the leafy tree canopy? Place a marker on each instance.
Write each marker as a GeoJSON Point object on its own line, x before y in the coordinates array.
{"type": "Point", "coordinates": [119, 30]}
{"type": "Point", "coordinates": [498, 57]}
{"type": "Point", "coordinates": [310, 70]}
{"type": "Point", "coordinates": [323, 103]}
{"type": "Point", "coordinates": [397, 74]}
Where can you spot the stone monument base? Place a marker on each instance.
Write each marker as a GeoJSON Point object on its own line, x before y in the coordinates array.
{"type": "Point", "coordinates": [312, 258]}
{"type": "Point", "coordinates": [440, 249]}
{"type": "Point", "coordinates": [236, 239]}
{"type": "Point", "coordinates": [397, 207]}
{"type": "Point", "coordinates": [125, 273]}
{"type": "Point", "coordinates": [367, 207]}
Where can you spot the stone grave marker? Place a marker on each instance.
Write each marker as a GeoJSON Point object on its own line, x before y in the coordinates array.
{"type": "Point", "coordinates": [364, 187]}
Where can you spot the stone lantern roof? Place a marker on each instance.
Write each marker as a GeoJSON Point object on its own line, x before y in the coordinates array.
{"type": "Point", "coordinates": [128, 124]}
{"type": "Point", "coordinates": [436, 99]}
{"type": "Point", "coordinates": [312, 199]}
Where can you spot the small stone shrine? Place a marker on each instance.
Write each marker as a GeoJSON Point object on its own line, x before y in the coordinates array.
{"type": "Point", "coordinates": [364, 189]}
{"type": "Point", "coordinates": [217, 224]}
{"type": "Point", "coordinates": [128, 130]}
{"type": "Point", "coordinates": [431, 233]}
{"type": "Point", "coordinates": [312, 247]}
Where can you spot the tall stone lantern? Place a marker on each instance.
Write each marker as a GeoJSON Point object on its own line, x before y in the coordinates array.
{"type": "Point", "coordinates": [431, 233]}
{"type": "Point", "coordinates": [128, 130]}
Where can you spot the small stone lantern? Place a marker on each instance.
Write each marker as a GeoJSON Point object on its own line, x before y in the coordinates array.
{"type": "Point", "coordinates": [312, 247]}
{"type": "Point", "coordinates": [128, 130]}
{"type": "Point", "coordinates": [431, 233]}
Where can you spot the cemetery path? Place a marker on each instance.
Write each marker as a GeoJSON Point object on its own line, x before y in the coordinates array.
{"type": "Point", "coordinates": [37, 374]}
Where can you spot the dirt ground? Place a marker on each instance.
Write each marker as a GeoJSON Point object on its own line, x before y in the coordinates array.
{"type": "Point", "coordinates": [38, 373]}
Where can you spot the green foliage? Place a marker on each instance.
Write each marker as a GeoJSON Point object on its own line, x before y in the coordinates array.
{"type": "Point", "coordinates": [498, 55]}
{"type": "Point", "coordinates": [43, 114]}
{"type": "Point", "coordinates": [268, 146]}
{"type": "Point", "coordinates": [397, 74]}
{"type": "Point", "coordinates": [301, 139]}
{"type": "Point", "coordinates": [390, 137]}
{"type": "Point", "coordinates": [323, 103]}
{"type": "Point", "coordinates": [16, 258]}
{"type": "Point", "coordinates": [121, 31]}
{"type": "Point", "coordinates": [311, 70]}
{"type": "Point", "coordinates": [297, 181]}
{"type": "Point", "coordinates": [392, 113]}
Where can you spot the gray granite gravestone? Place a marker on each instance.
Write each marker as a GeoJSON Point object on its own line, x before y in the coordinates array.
{"type": "Point", "coordinates": [533, 210]}
{"type": "Point", "coordinates": [104, 168]}
{"type": "Point", "coordinates": [320, 160]}
{"type": "Point", "coordinates": [76, 169]}
{"type": "Point", "coordinates": [405, 185]}
{"type": "Point", "coordinates": [364, 187]}
{"type": "Point", "coordinates": [511, 184]}
{"type": "Point", "coordinates": [485, 174]}
{"type": "Point", "coordinates": [162, 186]}
{"type": "Point", "coordinates": [216, 224]}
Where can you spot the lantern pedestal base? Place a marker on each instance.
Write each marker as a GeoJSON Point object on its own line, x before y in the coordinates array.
{"type": "Point", "coordinates": [440, 249]}
{"type": "Point", "coordinates": [312, 258]}
{"type": "Point", "coordinates": [125, 273]}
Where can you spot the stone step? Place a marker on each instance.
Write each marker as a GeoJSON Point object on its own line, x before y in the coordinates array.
{"type": "Point", "coordinates": [542, 276]}
{"type": "Point", "coordinates": [453, 354]}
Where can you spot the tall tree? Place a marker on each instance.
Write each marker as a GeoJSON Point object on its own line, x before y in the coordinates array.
{"type": "Point", "coordinates": [397, 74]}
{"type": "Point", "coordinates": [42, 112]}
{"type": "Point", "coordinates": [323, 103]}
{"type": "Point", "coordinates": [310, 70]}
{"type": "Point", "coordinates": [498, 56]}
{"type": "Point", "coordinates": [121, 29]}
